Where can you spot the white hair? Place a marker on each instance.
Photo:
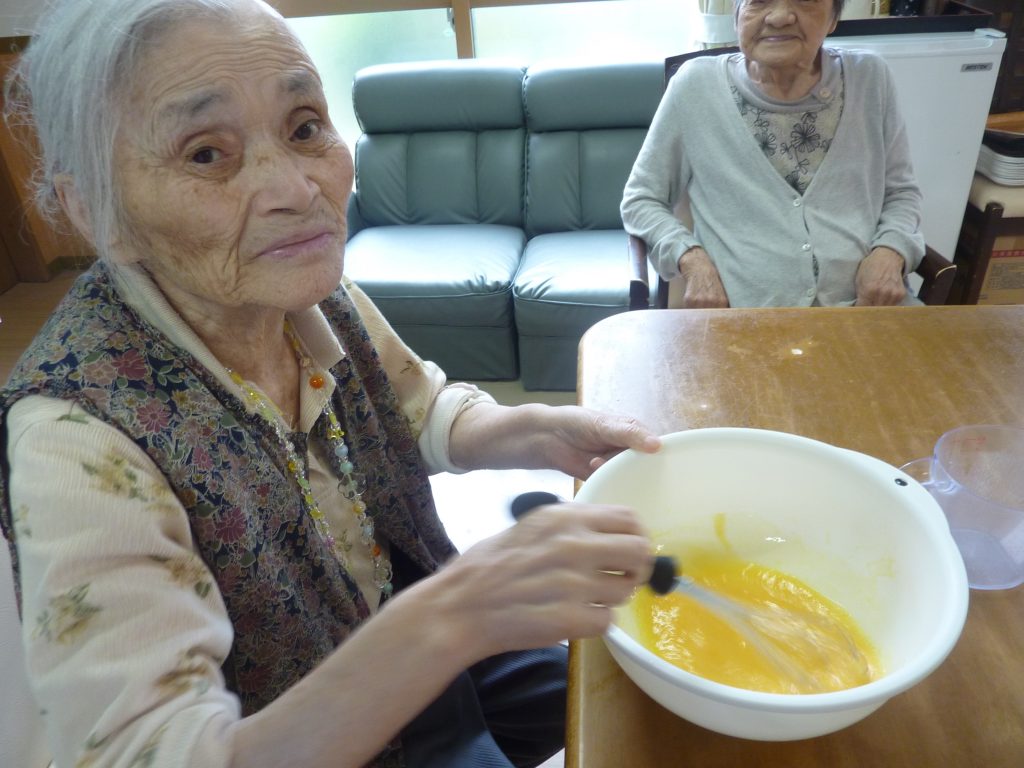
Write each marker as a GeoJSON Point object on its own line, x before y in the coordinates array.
{"type": "Point", "coordinates": [69, 86]}
{"type": "Point", "coordinates": [837, 8]}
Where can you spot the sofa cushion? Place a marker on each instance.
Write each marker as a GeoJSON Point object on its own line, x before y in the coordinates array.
{"type": "Point", "coordinates": [566, 97]}
{"type": "Point", "coordinates": [567, 282]}
{"type": "Point", "coordinates": [575, 178]}
{"type": "Point", "coordinates": [585, 126]}
{"type": "Point", "coordinates": [455, 274]}
{"type": "Point", "coordinates": [446, 290]}
{"type": "Point", "coordinates": [446, 177]}
{"type": "Point", "coordinates": [461, 95]}
{"type": "Point", "coordinates": [443, 143]}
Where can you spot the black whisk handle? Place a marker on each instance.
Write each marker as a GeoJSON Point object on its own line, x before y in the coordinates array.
{"type": "Point", "coordinates": [663, 577]}
{"type": "Point", "coordinates": [526, 502]}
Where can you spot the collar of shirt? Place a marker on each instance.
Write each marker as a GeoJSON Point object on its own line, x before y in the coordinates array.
{"type": "Point", "coordinates": [311, 327]}
{"type": "Point", "coordinates": [821, 95]}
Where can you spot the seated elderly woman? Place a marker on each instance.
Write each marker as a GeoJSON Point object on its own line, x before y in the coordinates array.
{"type": "Point", "coordinates": [215, 458]}
{"type": "Point", "coordinates": [796, 166]}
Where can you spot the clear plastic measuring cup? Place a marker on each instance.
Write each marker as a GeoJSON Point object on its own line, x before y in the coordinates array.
{"type": "Point", "coordinates": [977, 476]}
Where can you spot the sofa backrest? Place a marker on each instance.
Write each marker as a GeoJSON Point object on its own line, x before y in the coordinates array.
{"type": "Point", "coordinates": [585, 125]}
{"type": "Point", "coordinates": [443, 143]}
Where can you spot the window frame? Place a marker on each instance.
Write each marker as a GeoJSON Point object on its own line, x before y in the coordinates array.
{"type": "Point", "coordinates": [460, 12]}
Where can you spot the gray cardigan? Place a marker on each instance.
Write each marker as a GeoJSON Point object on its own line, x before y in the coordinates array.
{"type": "Point", "coordinates": [760, 233]}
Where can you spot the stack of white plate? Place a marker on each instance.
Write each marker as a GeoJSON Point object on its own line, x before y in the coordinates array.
{"type": "Point", "coordinates": [1001, 158]}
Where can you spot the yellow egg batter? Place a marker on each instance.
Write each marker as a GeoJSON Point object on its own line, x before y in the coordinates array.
{"type": "Point", "coordinates": [805, 643]}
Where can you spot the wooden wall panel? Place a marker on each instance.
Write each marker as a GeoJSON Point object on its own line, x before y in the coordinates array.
{"type": "Point", "coordinates": [36, 249]}
{"type": "Point", "coordinates": [8, 277]}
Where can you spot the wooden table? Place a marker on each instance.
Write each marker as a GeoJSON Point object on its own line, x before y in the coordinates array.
{"type": "Point", "coordinates": [884, 381]}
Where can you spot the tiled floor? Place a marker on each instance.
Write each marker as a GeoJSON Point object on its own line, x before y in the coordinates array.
{"type": "Point", "coordinates": [473, 506]}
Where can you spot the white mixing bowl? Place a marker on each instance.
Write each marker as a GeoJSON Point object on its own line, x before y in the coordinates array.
{"type": "Point", "coordinates": [857, 530]}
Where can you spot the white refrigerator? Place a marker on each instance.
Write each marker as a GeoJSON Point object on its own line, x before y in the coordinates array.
{"type": "Point", "coordinates": [945, 82]}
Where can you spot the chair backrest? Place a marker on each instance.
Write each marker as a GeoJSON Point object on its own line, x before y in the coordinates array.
{"type": "Point", "coordinates": [442, 143]}
{"type": "Point", "coordinates": [981, 228]}
{"type": "Point", "coordinates": [22, 741]}
{"type": "Point", "coordinates": [585, 127]}
{"type": "Point", "coordinates": [673, 63]}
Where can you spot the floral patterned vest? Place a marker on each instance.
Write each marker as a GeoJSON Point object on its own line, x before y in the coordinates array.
{"type": "Point", "coordinates": [290, 601]}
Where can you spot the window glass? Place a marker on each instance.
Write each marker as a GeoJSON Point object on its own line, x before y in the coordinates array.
{"type": "Point", "coordinates": [341, 45]}
{"type": "Point", "coordinates": [612, 30]}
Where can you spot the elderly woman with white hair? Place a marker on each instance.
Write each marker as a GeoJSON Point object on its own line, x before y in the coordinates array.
{"type": "Point", "coordinates": [214, 457]}
{"type": "Point", "coordinates": [795, 165]}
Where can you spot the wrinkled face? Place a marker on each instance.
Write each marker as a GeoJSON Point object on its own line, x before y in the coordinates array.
{"type": "Point", "coordinates": [784, 33]}
{"type": "Point", "coordinates": [233, 180]}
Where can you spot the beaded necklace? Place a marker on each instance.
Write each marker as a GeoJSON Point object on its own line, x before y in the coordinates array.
{"type": "Point", "coordinates": [349, 485]}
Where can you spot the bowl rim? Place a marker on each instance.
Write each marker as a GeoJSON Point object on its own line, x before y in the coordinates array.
{"type": "Point", "coordinates": [931, 655]}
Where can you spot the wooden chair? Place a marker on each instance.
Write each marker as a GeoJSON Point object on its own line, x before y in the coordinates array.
{"type": "Point", "coordinates": [936, 272]}
{"type": "Point", "coordinates": [974, 249]}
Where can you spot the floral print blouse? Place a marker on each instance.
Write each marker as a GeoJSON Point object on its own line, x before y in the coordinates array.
{"type": "Point", "coordinates": [112, 690]}
{"type": "Point", "coordinates": [795, 136]}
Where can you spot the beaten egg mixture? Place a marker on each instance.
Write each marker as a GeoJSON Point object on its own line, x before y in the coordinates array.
{"type": "Point", "coordinates": [805, 643]}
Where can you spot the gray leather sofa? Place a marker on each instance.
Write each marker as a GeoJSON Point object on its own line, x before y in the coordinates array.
{"type": "Point", "coordinates": [485, 221]}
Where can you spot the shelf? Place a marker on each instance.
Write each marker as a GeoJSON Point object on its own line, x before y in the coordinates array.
{"type": "Point", "coordinates": [954, 17]}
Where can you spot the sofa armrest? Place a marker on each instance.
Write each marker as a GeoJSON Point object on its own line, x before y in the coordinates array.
{"type": "Point", "coordinates": [354, 216]}
{"type": "Point", "coordinates": [639, 288]}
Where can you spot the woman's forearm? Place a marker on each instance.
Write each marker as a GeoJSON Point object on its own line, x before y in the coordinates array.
{"type": "Point", "coordinates": [348, 709]}
{"type": "Point", "coordinates": [567, 438]}
{"type": "Point", "coordinates": [551, 576]}
{"type": "Point", "coordinates": [491, 436]}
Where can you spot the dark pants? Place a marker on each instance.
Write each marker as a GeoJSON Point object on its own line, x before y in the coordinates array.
{"type": "Point", "coordinates": [508, 710]}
